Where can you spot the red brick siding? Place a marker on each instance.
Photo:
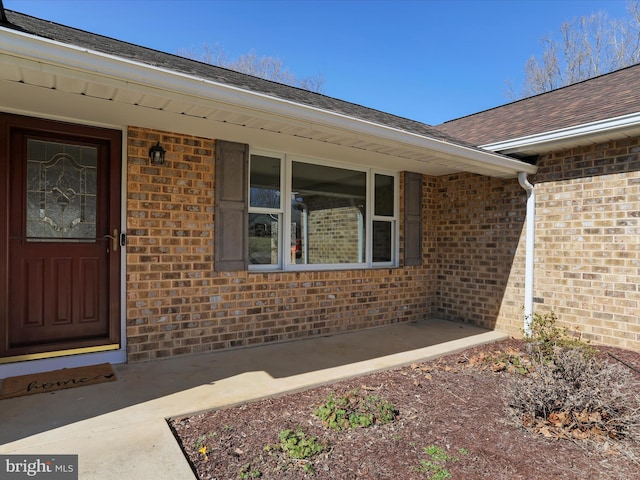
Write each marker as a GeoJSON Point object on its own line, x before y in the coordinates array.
{"type": "Point", "coordinates": [170, 242]}
{"type": "Point", "coordinates": [478, 226]}
{"type": "Point", "coordinates": [587, 257]}
{"type": "Point", "coordinates": [177, 304]}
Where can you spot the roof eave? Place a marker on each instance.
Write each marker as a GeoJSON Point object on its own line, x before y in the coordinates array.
{"type": "Point", "coordinates": [590, 133]}
{"type": "Point", "coordinates": [24, 45]}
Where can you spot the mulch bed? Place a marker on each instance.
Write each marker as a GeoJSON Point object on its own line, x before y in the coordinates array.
{"type": "Point", "coordinates": [454, 404]}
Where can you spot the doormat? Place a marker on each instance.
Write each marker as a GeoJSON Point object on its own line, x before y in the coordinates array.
{"type": "Point", "coordinates": [57, 380]}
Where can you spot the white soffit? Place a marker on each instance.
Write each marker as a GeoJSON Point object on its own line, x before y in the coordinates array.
{"type": "Point", "coordinates": [52, 65]}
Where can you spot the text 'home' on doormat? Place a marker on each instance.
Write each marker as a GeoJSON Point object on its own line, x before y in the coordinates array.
{"type": "Point", "coordinates": [57, 380]}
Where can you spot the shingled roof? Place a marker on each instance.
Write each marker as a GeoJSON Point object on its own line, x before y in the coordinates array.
{"type": "Point", "coordinates": [603, 97]}
{"type": "Point", "coordinates": [99, 43]}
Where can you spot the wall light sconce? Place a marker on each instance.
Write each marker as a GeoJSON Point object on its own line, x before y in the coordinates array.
{"type": "Point", "coordinates": [156, 154]}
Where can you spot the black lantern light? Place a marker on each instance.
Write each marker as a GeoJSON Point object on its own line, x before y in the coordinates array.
{"type": "Point", "coordinates": [156, 154]}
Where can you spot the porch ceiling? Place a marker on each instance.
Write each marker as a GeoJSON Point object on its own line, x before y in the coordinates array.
{"type": "Point", "coordinates": [62, 81]}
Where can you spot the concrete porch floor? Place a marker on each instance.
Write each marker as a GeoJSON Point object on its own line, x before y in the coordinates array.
{"type": "Point", "coordinates": [119, 429]}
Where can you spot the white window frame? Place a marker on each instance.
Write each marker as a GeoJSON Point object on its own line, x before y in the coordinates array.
{"type": "Point", "coordinates": [285, 211]}
{"type": "Point", "coordinates": [279, 211]}
{"type": "Point", "coordinates": [395, 225]}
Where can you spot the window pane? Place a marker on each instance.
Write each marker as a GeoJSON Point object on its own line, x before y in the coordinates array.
{"type": "Point", "coordinates": [382, 241]}
{"type": "Point", "coordinates": [328, 214]}
{"type": "Point", "coordinates": [264, 182]}
{"type": "Point", "coordinates": [384, 195]}
{"type": "Point", "coordinates": [263, 239]}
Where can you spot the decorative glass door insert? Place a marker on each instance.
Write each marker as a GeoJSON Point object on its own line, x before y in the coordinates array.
{"type": "Point", "coordinates": [61, 191]}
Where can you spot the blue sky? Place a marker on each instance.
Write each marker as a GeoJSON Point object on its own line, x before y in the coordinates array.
{"type": "Point", "coordinates": [428, 60]}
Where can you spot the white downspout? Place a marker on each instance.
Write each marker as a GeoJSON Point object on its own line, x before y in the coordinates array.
{"type": "Point", "coordinates": [529, 250]}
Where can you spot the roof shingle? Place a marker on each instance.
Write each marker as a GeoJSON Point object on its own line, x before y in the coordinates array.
{"type": "Point", "coordinates": [99, 43]}
{"type": "Point", "coordinates": [599, 98]}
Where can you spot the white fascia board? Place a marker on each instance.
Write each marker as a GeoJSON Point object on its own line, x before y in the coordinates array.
{"type": "Point", "coordinates": [593, 128]}
{"type": "Point", "coordinates": [68, 56]}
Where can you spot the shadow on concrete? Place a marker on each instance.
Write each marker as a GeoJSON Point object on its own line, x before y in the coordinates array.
{"type": "Point", "coordinates": [141, 382]}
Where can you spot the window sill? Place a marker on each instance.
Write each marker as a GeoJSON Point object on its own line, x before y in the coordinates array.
{"type": "Point", "coordinates": [325, 268]}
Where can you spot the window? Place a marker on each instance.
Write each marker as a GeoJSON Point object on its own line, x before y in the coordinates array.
{"type": "Point", "coordinates": [305, 214]}
{"type": "Point", "coordinates": [265, 210]}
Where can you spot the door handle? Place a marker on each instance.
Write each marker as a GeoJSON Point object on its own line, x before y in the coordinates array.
{"type": "Point", "coordinates": [115, 239]}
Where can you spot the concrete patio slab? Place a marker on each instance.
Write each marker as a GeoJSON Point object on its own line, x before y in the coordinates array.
{"type": "Point", "coordinates": [119, 429]}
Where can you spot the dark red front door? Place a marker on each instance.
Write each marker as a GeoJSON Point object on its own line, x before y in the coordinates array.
{"type": "Point", "coordinates": [63, 267]}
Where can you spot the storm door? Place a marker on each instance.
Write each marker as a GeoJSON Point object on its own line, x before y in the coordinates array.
{"type": "Point", "coordinates": [63, 240]}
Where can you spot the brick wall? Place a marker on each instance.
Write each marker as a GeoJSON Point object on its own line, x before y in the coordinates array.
{"type": "Point", "coordinates": [170, 244]}
{"type": "Point", "coordinates": [587, 249]}
{"type": "Point", "coordinates": [588, 240]}
{"type": "Point", "coordinates": [478, 223]}
{"type": "Point", "coordinates": [177, 304]}
{"type": "Point", "coordinates": [587, 257]}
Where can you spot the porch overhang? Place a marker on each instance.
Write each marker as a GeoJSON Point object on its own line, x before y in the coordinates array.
{"type": "Point", "coordinates": [61, 81]}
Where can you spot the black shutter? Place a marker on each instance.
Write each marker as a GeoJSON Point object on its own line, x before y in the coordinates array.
{"type": "Point", "coordinates": [412, 218]}
{"type": "Point", "coordinates": [231, 213]}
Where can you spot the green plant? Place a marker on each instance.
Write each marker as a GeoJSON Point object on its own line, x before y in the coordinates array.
{"type": "Point", "coordinates": [202, 440]}
{"type": "Point", "coordinates": [354, 410]}
{"type": "Point", "coordinates": [436, 465]}
{"type": "Point", "coordinates": [297, 445]}
{"type": "Point", "coordinates": [246, 472]}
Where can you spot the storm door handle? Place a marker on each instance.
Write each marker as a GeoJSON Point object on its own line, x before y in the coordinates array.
{"type": "Point", "coordinates": [115, 239]}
